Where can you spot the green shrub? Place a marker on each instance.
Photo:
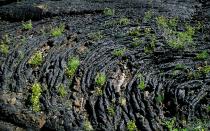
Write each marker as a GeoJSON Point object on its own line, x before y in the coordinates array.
{"type": "Point", "coordinates": [62, 91]}
{"type": "Point", "coordinates": [148, 15]}
{"type": "Point", "coordinates": [72, 66]}
{"type": "Point", "coordinates": [36, 59]}
{"type": "Point", "coordinates": [27, 25]}
{"type": "Point", "coordinates": [170, 124]}
{"type": "Point", "coordinates": [4, 49]}
{"type": "Point", "coordinates": [96, 36]}
{"type": "Point", "coordinates": [134, 32]}
{"type": "Point", "coordinates": [122, 101]}
{"type": "Point", "coordinates": [109, 12]}
{"type": "Point", "coordinates": [98, 91]}
{"type": "Point", "coordinates": [202, 55]}
{"type": "Point", "coordinates": [57, 31]}
{"type": "Point", "coordinates": [111, 110]}
{"type": "Point", "coordinates": [136, 42]}
{"type": "Point", "coordinates": [159, 98]}
{"type": "Point", "coordinates": [119, 52]}
{"type": "Point", "coordinates": [124, 21]}
{"type": "Point", "coordinates": [36, 94]}
{"type": "Point", "coordinates": [131, 125]}
{"type": "Point", "coordinates": [141, 84]}
{"type": "Point", "coordinates": [87, 126]}
{"type": "Point", "coordinates": [100, 79]}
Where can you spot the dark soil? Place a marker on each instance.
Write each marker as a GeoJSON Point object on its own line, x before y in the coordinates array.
{"type": "Point", "coordinates": [170, 93]}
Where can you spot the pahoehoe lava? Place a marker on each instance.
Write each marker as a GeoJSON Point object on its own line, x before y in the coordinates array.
{"type": "Point", "coordinates": [145, 83]}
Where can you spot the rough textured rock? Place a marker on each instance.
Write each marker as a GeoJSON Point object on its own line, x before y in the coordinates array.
{"type": "Point", "coordinates": [92, 36]}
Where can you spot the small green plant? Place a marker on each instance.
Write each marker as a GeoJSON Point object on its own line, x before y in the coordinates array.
{"type": "Point", "coordinates": [148, 15]}
{"type": "Point", "coordinates": [57, 31]}
{"type": "Point", "coordinates": [111, 111]}
{"type": "Point", "coordinates": [136, 42]}
{"type": "Point", "coordinates": [205, 69]}
{"type": "Point", "coordinates": [175, 39]}
{"type": "Point", "coordinates": [4, 49]}
{"type": "Point", "coordinates": [36, 94]}
{"type": "Point", "coordinates": [27, 25]}
{"type": "Point", "coordinates": [202, 55]}
{"type": "Point", "coordinates": [162, 22]}
{"type": "Point", "coordinates": [87, 126]}
{"type": "Point", "coordinates": [170, 124]}
{"type": "Point", "coordinates": [96, 36]}
{"type": "Point", "coordinates": [98, 91]}
{"type": "Point", "coordinates": [180, 67]}
{"type": "Point", "coordinates": [141, 84]}
{"type": "Point", "coordinates": [72, 66]}
{"type": "Point", "coordinates": [109, 12]}
{"type": "Point", "coordinates": [159, 98]}
{"type": "Point", "coordinates": [134, 32]}
{"type": "Point", "coordinates": [62, 91]}
{"type": "Point", "coordinates": [100, 79]}
{"type": "Point", "coordinates": [124, 21]}
{"type": "Point", "coordinates": [119, 52]}
{"type": "Point", "coordinates": [131, 125]}
{"type": "Point", "coordinates": [122, 101]}
{"type": "Point", "coordinates": [36, 59]}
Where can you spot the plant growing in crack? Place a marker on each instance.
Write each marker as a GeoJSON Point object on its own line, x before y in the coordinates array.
{"type": "Point", "coordinates": [202, 55]}
{"type": "Point", "coordinates": [100, 79]}
{"type": "Point", "coordinates": [111, 110]}
{"type": "Point", "coordinates": [87, 126]}
{"type": "Point", "coordinates": [4, 47]}
{"type": "Point", "coordinates": [36, 94]}
{"type": "Point", "coordinates": [119, 52]}
{"type": "Point", "coordinates": [36, 59]}
{"type": "Point", "coordinates": [131, 125]}
{"type": "Point", "coordinates": [109, 12]}
{"type": "Point", "coordinates": [96, 36]}
{"type": "Point", "coordinates": [72, 66]}
{"type": "Point", "coordinates": [57, 31]}
{"type": "Point", "coordinates": [27, 25]}
{"type": "Point", "coordinates": [62, 90]}
{"type": "Point", "coordinates": [141, 84]}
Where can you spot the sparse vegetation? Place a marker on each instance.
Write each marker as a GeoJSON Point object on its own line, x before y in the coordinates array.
{"type": "Point", "coordinates": [72, 66]}
{"type": "Point", "coordinates": [109, 12]}
{"type": "Point", "coordinates": [36, 94]}
{"type": "Point", "coordinates": [122, 101]}
{"type": "Point", "coordinates": [119, 52]}
{"type": "Point", "coordinates": [170, 124]}
{"type": "Point", "coordinates": [98, 91]}
{"type": "Point", "coordinates": [62, 91]}
{"type": "Point", "coordinates": [124, 21]}
{"type": "Point", "coordinates": [202, 55]}
{"type": "Point", "coordinates": [96, 36]}
{"type": "Point", "coordinates": [57, 31]}
{"type": "Point", "coordinates": [100, 79]}
{"type": "Point", "coordinates": [136, 42]}
{"type": "Point", "coordinates": [27, 25]}
{"type": "Point", "coordinates": [141, 84]}
{"type": "Point", "coordinates": [159, 98]}
{"type": "Point", "coordinates": [36, 59]}
{"type": "Point", "coordinates": [4, 47]}
{"type": "Point", "coordinates": [111, 111]}
{"type": "Point", "coordinates": [131, 125]}
{"type": "Point", "coordinates": [134, 32]}
{"type": "Point", "coordinates": [87, 126]}
{"type": "Point", "coordinates": [148, 15]}
{"type": "Point", "coordinates": [176, 39]}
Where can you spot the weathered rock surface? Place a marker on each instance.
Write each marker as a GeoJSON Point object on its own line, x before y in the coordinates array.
{"type": "Point", "coordinates": [92, 36]}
